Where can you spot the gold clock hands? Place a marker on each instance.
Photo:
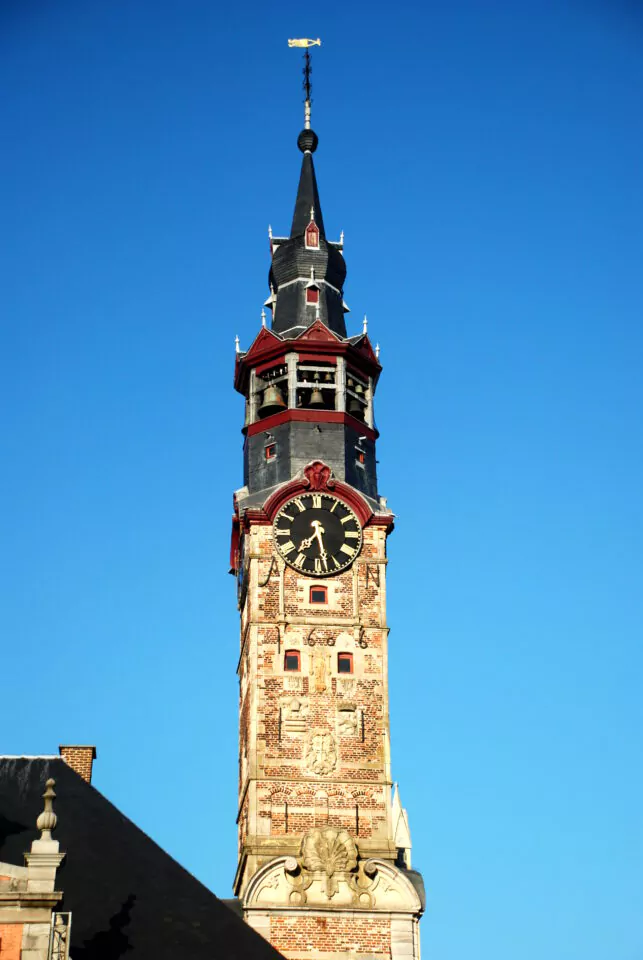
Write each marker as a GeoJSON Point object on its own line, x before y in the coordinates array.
{"type": "Point", "coordinates": [317, 535]}
{"type": "Point", "coordinates": [319, 531]}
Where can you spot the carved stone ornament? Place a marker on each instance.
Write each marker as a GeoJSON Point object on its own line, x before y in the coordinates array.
{"type": "Point", "coordinates": [331, 852]}
{"type": "Point", "coordinates": [347, 722]}
{"type": "Point", "coordinates": [319, 476]}
{"type": "Point", "coordinates": [329, 873]}
{"type": "Point", "coordinates": [321, 752]}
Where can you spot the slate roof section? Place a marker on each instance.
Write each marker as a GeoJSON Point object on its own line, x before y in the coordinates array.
{"type": "Point", "coordinates": [307, 197]}
{"type": "Point", "coordinates": [127, 896]}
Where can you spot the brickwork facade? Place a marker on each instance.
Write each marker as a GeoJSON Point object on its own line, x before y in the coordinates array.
{"type": "Point", "coordinates": [314, 742]}
{"type": "Point", "coordinates": [314, 759]}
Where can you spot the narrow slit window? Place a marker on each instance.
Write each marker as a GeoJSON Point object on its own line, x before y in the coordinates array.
{"type": "Point", "coordinates": [271, 451]}
{"type": "Point", "coordinates": [361, 457]}
{"type": "Point", "coordinates": [292, 661]}
{"type": "Point", "coordinates": [344, 662]}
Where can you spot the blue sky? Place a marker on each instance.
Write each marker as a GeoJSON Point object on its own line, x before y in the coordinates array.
{"type": "Point", "coordinates": [484, 162]}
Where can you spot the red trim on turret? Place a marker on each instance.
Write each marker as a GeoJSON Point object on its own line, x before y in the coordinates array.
{"type": "Point", "coordinates": [314, 358]}
{"type": "Point", "coordinates": [234, 545]}
{"type": "Point", "coordinates": [318, 476]}
{"type": "Point", "coordinates": [311, 416]}
{"type": "Point", "coordinates": [318, 342]}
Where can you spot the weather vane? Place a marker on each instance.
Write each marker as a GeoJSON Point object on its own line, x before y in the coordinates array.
{"type": "Point", "coordinates": [305, 43]}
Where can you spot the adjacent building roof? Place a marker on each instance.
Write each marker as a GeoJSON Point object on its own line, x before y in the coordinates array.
{"type": "Point", "coordinates": [127, 896]}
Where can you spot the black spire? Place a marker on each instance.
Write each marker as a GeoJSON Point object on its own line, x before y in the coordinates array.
{"type": "Point", "coordinates": [307, 272]}
{"type": "Point", "coordinates": [307, 201]}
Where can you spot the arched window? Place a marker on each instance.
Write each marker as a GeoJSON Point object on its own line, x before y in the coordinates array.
{"type": "Point", "coordinates": [344, 662]}
{"type": "Point", "coordinates": [292, 660]}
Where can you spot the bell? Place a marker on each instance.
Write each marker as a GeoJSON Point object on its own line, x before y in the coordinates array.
{"type": "Point", "coordinates": [273, 402]}
{"type": "Point", "coordinates": [355, 408]}
{"type": "Point", "coordinates": [316, 396]}
{"type": "Point", "coordinates": [329, 377]}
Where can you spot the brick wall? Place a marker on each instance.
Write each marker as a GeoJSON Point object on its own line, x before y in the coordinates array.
{"type": "Point", "coordinates": [314, 743]}
{"type": "Point", "coordinates": [348, 934]}
{"type": "Point", "coordinates": [10, 941]}
{"type": "Point", "coordinates": [288, 718]}
{"type": "Point", "coordinates": [79, 759]}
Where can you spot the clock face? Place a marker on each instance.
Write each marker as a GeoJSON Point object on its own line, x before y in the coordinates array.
{"type": "Point", "coordinates": [317, 534]}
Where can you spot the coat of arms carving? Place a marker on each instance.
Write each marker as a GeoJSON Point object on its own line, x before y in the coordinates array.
{"type": "Point", "coordinates": [321, 752]}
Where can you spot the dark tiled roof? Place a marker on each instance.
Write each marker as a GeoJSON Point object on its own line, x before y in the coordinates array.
{"type": "Point", "coordinates": [127, 896]}
{"type": "Point", "coordinates": [307, 197]}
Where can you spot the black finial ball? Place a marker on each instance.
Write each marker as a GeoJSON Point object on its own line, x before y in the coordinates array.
{"type": "Point", "coordinates": [307, 141]}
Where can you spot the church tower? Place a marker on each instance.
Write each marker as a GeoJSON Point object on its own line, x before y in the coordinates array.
{"type": "Point", "coordinates": [324, 869]}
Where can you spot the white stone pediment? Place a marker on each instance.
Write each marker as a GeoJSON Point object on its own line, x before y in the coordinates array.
{"type": "Point", "coordinates": [373, 885]}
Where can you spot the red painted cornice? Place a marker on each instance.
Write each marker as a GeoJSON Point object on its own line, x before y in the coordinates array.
{"type": "Point", "coordinates": [317, 476]}
{"type": "Point", "coordinates": [317, 341]}
{"type": "Point", "coordinates": [308, 415]}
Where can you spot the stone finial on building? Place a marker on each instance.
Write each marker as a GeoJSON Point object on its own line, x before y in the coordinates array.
{"type": "Point", "coordinates": [45, 857]}
{"type": "Point", "coordinates": [263, 317]}
{"type": "Point", "coordinates": [236, 345]}
{"type": "Point", "coordinates": [47, 820]}
{"type": "Point", "coordinates": [365, 324]}
{"type": "Point", "coordinates": [377, 351]}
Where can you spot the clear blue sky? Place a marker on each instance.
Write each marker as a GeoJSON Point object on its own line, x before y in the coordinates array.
{"type": "Point", "coordinates": [484, 161]}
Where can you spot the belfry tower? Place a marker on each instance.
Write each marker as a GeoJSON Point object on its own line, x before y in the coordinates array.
{"type": "Point", "coordinates": [324, 867]}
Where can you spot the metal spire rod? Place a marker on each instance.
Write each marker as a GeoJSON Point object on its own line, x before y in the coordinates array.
{"type": "Point", "coordinates": [305, 43]}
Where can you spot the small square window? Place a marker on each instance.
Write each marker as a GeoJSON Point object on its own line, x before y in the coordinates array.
{"type": "Point", "coordinates": [292, 661]}
{"type": "Point", "coordinates": [271, 451]}
{"type": "Point", "coordinates": [312, 295]}
{"type": "Point", "coordinates": [344, 662]}
{"type": "Point", "coordinates": [319, 594]}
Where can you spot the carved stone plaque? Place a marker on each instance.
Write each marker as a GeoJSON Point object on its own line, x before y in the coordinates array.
{"type": "Point", "coordinates": [321, 752]}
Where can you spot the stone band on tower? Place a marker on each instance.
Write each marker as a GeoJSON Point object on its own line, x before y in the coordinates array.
{"type": "Point", "coordinates": [324, 866]}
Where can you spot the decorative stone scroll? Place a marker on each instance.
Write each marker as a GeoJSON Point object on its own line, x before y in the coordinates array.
{"type": "Point", "coordinates": [328, 872]}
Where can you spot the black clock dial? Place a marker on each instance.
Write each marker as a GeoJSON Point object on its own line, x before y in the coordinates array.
{"type": "Point", "coordinates": [317, 534]}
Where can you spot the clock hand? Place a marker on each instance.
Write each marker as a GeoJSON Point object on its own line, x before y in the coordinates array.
{"type": "Point", "coordinates": [319, 530]}
{"type": "Point", "coordinates": [316, 536]}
